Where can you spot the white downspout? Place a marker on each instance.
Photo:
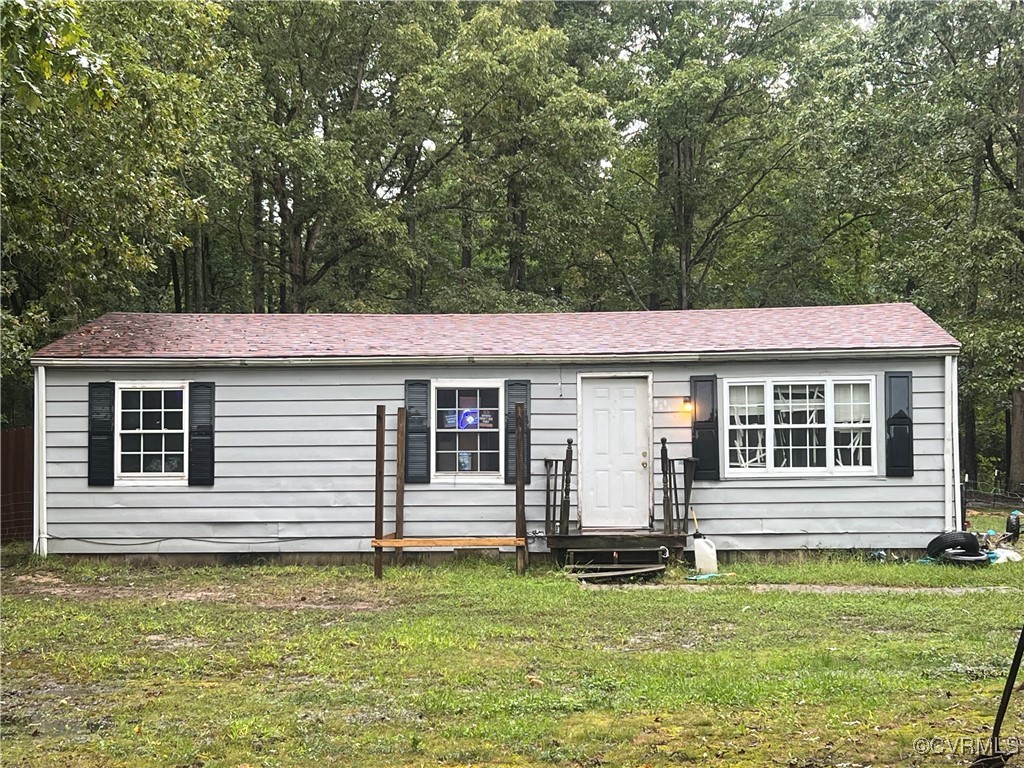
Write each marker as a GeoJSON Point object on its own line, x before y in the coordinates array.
{"type": "Point", "coordinates": [957, 490]}
{"type": "Point", "coordinates": [39, 465]}
{"type": "Point", "coordinates": [947, 448]}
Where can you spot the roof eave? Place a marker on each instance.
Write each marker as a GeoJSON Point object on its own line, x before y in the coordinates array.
{"type": "Point", "coordinates": [659, 357]}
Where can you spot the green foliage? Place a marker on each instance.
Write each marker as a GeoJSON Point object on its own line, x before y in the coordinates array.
{"type": "Point", "coordinates": [949, 80]}
{"type": "Point", "coordinates": [43, 39]}
{"type": "Point", "coordinates": [92, 196]}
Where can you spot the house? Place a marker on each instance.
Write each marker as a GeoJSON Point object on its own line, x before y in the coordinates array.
{"type": "Point", "coordinates": [813, 427]}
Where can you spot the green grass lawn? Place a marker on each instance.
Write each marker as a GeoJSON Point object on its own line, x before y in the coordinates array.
{"type": "Point", "coordinates": [108, 665]}
{"type": "Point", "coordinates": [989, 519]}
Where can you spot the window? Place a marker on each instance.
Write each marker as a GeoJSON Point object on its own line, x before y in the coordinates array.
{"type": "Point", "coordinates": [799, 418]}
{"type": "Point", "coordinates": [747, 446]}
{"type": "Point", "coordinates": [467, 429]}
{"type": "Point", "coordinates": [853, 444]}
{"type": "Point", "coordinates": [797, 427]}
{"type": "Point", "coordinates": [150, 431]}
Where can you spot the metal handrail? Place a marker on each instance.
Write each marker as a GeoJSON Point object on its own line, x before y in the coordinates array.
{"type": "Point", "coordinates": [558, 490]}
{"type": "Point", "coordinates": [675, 517]}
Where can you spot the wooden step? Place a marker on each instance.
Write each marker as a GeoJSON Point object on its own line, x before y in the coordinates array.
{"type": "Point", "coordinates": [614, 556]}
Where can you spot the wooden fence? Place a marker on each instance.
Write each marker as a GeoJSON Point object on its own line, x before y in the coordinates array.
{"type": "Point", "coordinates": [16, 484]}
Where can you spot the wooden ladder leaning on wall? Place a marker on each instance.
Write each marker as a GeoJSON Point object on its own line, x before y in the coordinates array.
{"type": "Point", "coordinates": [397, 540]}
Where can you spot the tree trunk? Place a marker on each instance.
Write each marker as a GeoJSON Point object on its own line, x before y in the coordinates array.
{"type": "Point", "coordinates": [466, 221]}
{"type": "Point", "coordinates": [969, 434]}
{"type": "Point", "coordinates": [258, 267]}
{"type": "Point", "coordinates": [295, 270]}
{"type": "Point", "coordinates": [685, 212]}
{"type": "Point", "coordinates": [186, 278]}
{"type": "Point", "coordinates": [1015, 430]}
{"type": "Point", "coordinates": [282, 263]}
{"type": "Point", "coordinates": [657, 244]}
{"type": "Point", "coordinates": [175, 282]}
{"type": "Point", "coordinates": [207, 274]}
{"type": "Point", "coordinates": [466, 216]}
{"type": "Point", "coordinates": [969, 440]}
{"type": "Point", "coordinates": [200, 252]}
{"type": "Point", "coordinates": [197, 271]}
{"type": "Point", "coordinates": [412, 290]}
{"type": "Point", "coordinates": [297, 266]}
{"type": "Point", "coordinates": [658, 233]}
{"type": "Point", "coordinates": [517, 235]}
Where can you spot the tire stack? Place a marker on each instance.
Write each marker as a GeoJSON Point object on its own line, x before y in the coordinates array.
{"type": "Point", "coordinates": [957, 548]}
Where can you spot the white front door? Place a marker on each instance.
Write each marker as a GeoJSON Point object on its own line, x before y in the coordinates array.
{"type": "Point", "coordinates": [615, 452]}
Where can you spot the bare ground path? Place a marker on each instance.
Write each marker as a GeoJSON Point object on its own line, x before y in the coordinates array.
{"type": "Point", "coordinates": [320, 597]}
{"type": "Point", "coordinates": [820, 589]}
{"type": "Point", "coordinates": [324, 598]}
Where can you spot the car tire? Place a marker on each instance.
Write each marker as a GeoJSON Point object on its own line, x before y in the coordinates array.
{"type": "Point", "coordinates": [953, 540]}
{"type": "Point", "coordinates": [1013, 528]}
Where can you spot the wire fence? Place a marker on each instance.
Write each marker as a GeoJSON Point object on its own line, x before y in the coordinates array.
{"type": "Point", "coordinates": [16, 478]}
{"type": "Point", "coordinates": [984, 495]}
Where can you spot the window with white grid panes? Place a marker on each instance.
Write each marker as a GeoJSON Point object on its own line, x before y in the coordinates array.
{"type": "Point", "coordinates": [467, 430]}
{"type": "Point", "coordinates": [151, 432]}
{"type": "Point", "coordinates": [800, 429]}
{"type": "Point", "coordinates": [824, 426]}
{"type": "Point", "coordinates": [852, 424]}
{"type": "Point", "coordinates": [747, 438]}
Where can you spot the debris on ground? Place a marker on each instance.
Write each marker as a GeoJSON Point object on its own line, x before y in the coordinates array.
{"type": "Point", "coordinates": [1005, 556]}
{"type": "Point", "coordinates": [707, 576]}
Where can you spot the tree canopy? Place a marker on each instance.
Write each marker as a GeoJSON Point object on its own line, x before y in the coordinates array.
{"type": "Point", "coordinates": [219, 155]}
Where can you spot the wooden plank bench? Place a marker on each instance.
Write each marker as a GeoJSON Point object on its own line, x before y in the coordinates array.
{"type": "Point", "coordinates": [397, 541]}
{"type": "Point", "coordinates": [389, 541]}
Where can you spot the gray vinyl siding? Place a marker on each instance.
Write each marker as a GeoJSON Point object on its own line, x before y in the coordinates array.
{"type": "Point", "coordinates": [295, 465]}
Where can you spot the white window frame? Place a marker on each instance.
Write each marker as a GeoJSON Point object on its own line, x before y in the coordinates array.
{"type": "Point", "coordinates": [830, 468]}
{"type": "Point", "coordinates": [472, 478]}
{"type": "Point", "coordinates": [152, 479]}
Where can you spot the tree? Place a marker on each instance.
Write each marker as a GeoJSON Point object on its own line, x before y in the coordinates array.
{"type": "Point", "coordinates": [950, 78]}
{"type": "Point", "coordinates": [706, 90]}
{"type": "Point", "coordinates": [520, 191]}
{"type": "Point", "coordinates": [100, 107]}
{"type": "Point", "coordinates": [348, 98]}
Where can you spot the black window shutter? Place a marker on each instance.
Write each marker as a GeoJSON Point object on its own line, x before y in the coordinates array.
{"type": "Point", "coordinates": [704, 393]}
{"type": "Point", "coordinates": [101, 433]}
{"type": "Point", "coordinates": [417, 431]}
{"type": "Point", "coordinates": [899, 424]}
{"type": "Point", "coordinates": [200, 433]}
{"type": "Point", "coordinates": [516, 391]}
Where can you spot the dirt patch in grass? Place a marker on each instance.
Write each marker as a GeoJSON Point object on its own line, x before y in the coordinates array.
{"type": "Point", "coordinates": [50, 708]}
{"type": "Point", "coordinates": [114, 668]}
{"type": "Point", "coordinates": [819, 589]}
{"type": "Point", "coordinates": [317, 598]}
{"type": "Point", "coordinates": [850, 589]}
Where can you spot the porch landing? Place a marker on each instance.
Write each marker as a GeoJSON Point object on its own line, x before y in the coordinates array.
{"type": "Point", "coordinates": [608, 540]}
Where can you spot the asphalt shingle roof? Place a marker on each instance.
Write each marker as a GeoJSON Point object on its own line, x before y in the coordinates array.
{"type": "Point", "coordinates": [120, 335]}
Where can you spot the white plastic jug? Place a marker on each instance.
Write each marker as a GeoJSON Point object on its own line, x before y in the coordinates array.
{"type": "Point", "coordinates": [705, 556]}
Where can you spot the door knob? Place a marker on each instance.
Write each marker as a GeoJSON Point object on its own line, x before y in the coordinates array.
{"type": "Point", "coordinates": [644, 464]}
